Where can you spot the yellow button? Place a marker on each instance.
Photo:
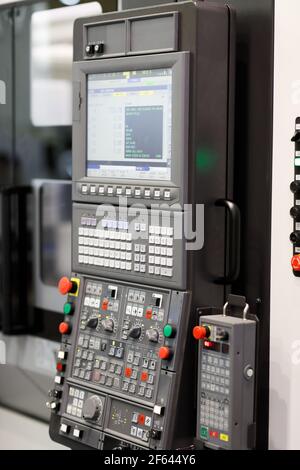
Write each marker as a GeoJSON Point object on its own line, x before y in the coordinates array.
{"type": "Point", "coordinates": [77, 281]}
{"type": "Point", "coordinates": [224, 437]}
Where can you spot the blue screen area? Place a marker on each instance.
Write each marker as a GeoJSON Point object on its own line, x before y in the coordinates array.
{"type": "Point", "coordinates": [129, 125]}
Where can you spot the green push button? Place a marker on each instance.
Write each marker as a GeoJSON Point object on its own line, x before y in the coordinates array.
{"type": "Point", "coordinates": [68, 308]}
{"type": "Point", "coordinates": [204, 432]}
{"type": "Point", "coordinates": [169, 331]}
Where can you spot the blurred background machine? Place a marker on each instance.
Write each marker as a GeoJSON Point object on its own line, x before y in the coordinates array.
{"type": "Point", "coordinates": [36, 48]}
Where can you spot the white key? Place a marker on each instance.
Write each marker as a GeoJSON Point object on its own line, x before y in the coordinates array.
{"type": "Point", "coordinates": [112, 254]}
{"type": "Point", "coordinates": [117, 255]}
{"type": "Point", "coordinates": [128, 309]}
{"type": "Point", "coordinates": [134, 311]}
{"type": "Point", "coordinates": [86, 250]}
{"type": "Point", "coordinates": [91, 251]}
{"type": "Point", "coordinates": [170, 231]}
{"type": "Point", "coordinates": [117, 264]}
{"type": "Point", "coordinates": [91, 232]}
{"type": "Point", "coordinates": [151, 250]}
{"type": "Point", "coordinates": [112, 263]}
{"type": "Point", "coordinates": [169, 251]}
{"type": "Point", "coordinates": [106, 234]}
{"type": "Point", "coordinates": [151, 259]}
{"type": "Point", "coordinates": [81, 231]}
{"type": "Point", "coordinates": [163, 241]}
{"type": "Point", "coordinates": [81, 250]}
{"type": "Point", "coordinates": [143, 258]}
{"type": "Point", "coordinates": [101, 262]}
{"type": "Point", "coordinates": [152, 230]}
{"type": "Point", "coordinates": [137, 227]}
{"type": "Point", "coordinates": [137, 268]}
{"type": "Point", "coordinates": [101, 233]}
{"type": "Point", "coordinates": [170, 272]}
{"type": "Point", "coordinates": [157, 271]}
{"type": "Point", "coordinates": [106, 263]}
{"type": "Point", "coordinates": [164, 231]}
{"type": "Point", "coordinates": [151, 270]}
{"type": "Point", "coordinates": [112, 235]}
{"type": "Point", "coordinates": [163, 262]}
{"type": "Point", "coordinates": [157, 230]}
{"type": "Point", "coordinates": [123, 246]}
{"type": "Point", "coordinates": [143, 227]}
{"type": "Point", "coordinates": [157, 240]}
{"type": "Point", "coordinates": [81, 241]}
{"type": "Point", "coordinates": [157, 250]}
{"type": "Point", "coordinates": [151, 240]}
{"type": "Point", "coordinates": [80, 259]}
{"type": "Point", "coordinates": [91, 242]}
{"type": "Point", "coordinates": [96, 242]}
{"type": "Point", "coordinates": [170, 262]}
{"type": "Point", "coordinates": [101, 243]}
{"type": "Point", "coordinates": [142, 268]}
{"type": "Point", "coordinates": [136, 248]}
{"type": "Point", "coordinates": [123, 255]}
{"type": "Point", "coordinates": [140, 312]}
{"type": "Point", "coordinates": [123, 265]}
{"type": "Point", "coordinates": [163, 251]}
{"type": "Point", "coordinates": [96, 251]}
{"type": "Point", "coordinates": [117, 236]}
{"type": "Point", "coordinates": [137, 258]}
{"type": "Point", "coordinates": [86, 232]}
{"type": "Point", "coordinates": [106, 253]}
{"type": "Point", "coordinates": [123, 236]}
{"type": "Point", "coordinates": [106, 244]}
{"type": "Point", "coordinates": [128, 256]}
{"type": "Point", "coordinates": [97, 233]}
{"type": "Point", "coordinates": [143, 248]}
{"type": "Point", "coordinates": [129, 237]}
{"type": "Point", "coordinates": [91, 260]}
{"type": "Point", "coordinates": [117, 245]}
{"type": "Point", "coordinates": [86, 260]}
{"type": "Point", "coordinates": [128, 266]}
{"type": "Point", "coordinates": [128, 246]}
{"type": "Point", "coordinates": [112, 245]}
{"type": "Point", "coordinates": [157, 260]}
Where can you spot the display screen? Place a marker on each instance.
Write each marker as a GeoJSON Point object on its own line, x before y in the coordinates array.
{"type": "Point", "coordinates": [129, 125]}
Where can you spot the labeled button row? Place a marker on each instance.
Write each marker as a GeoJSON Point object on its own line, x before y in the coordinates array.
{"type": "Point", "coordinates": [127, 191]}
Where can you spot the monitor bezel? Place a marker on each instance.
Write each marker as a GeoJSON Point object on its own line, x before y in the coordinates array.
{"type": "Point", "coordinates": [179, 63]}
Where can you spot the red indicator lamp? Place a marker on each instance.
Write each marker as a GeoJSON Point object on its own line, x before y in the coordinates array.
{"type": "Point", "coordinates": [296, 263]}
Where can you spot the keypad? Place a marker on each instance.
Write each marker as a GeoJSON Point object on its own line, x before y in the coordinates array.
{"type": "Point", "coordinates": [75, 402]}
{"type": "Point", "coordinates": [110, 245]}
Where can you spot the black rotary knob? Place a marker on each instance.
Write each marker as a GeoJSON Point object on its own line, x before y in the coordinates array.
{"type": "Point", "coordinates": [135, 332]}
{"type": "Point", "coordinates": [92, 408]}
{"type": "Point", "coordinates": [295, 212]}
{"type": "Point", "coordinates": [295, 237]}
{"type": "Point", "coordinates": [295, 187]}
{"type": "Point", "coordinates": [92, 323]}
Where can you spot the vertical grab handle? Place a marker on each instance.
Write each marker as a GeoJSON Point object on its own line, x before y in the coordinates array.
{"type": "Point", "coordinates": [15, 268]}
{"type": "Point", "coordinates": [234, 241]}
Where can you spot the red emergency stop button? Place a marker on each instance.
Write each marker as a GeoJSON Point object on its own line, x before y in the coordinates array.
{"type": "Point", "coordinates": [60, 367]}
{"type": "Point", "coordinates": [201, 332]}
{"type": "Point", "coordinates": [64, 328]}
{"type": "Point", "coordinates": [296, 263]}
{"type": "Point", "coordinates": [66, 286]}
{"type": "Point", "coordinates": [165, 353]}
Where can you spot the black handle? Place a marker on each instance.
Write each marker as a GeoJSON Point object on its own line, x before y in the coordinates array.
{"type": "Point", "coordinates": [234, 241]}
{"type": "Point", "coordinates": [15, 268]}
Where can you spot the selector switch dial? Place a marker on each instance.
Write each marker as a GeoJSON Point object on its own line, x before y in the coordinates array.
{"type": "Point", "coordinates": [152, 335]}
{"type": "Point", "coordinates": [108, 325]}
{"type": "Point", "coordinates": [92, 323]}
{"type": "Point", "coordinates": [135, 332]}
{"type": "Point", "coordinates": [93, 408]}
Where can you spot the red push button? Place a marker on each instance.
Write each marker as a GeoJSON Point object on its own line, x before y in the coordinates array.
{"type": "Point", "coordinates": [128, 372]}
{"type": "Point", "coordinates": [60, 367]}
{"type": "Point", "coordinates": [65, 286]}
{"type": "Point", "coordinates": [149, 313]}
{"type": "Point", "coordinates": [141, 420]}
{"type": "Point", "coordinates": [296, 263]}
{"type": "Point", "coordinates": [105, 304]}
{"type": "Point", "coordinates": [201, 332]}
{"type": "Point", "coordinates": [144, 376]}
{"type": "Point", "coordinates": [64, 328]}
{"type": "Point", "coordinates": [165, 353]}
{"type": "Point", "coordinates": [214, 434]}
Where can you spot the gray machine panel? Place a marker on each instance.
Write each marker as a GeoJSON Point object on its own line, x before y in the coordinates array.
{"type": "Point", "coordinates": [87, 189]}
{"type": "Point", "coordinates": [114, 367]}
{"type": "Point", "coordinates": [226, 382]}
{"type": "Point", "coordinates": [138, 246]}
